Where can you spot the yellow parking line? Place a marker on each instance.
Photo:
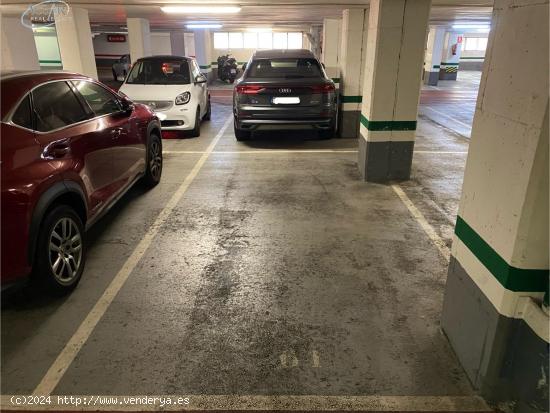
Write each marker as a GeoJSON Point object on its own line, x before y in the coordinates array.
{"type": "Point", "coordinates": [79, 338]}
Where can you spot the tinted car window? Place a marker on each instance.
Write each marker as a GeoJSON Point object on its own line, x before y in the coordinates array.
{"type": "Point", "coordinates": [22, 116]}
{"type": "Point", "coordinates": [100, 100]}
{"type": "Point", "coordinates": [160, 72]}
{"type": "Point", "coordinates": [56, 106]}
{"type": "Point", "coordinates": [286, 68]}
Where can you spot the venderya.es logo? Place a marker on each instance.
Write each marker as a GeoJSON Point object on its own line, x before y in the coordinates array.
{"type": "Point", "coordinates": [43, 14]}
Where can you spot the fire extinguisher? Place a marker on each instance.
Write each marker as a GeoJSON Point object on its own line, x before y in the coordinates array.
{"type": "Point", "coordinates": [453, 49]}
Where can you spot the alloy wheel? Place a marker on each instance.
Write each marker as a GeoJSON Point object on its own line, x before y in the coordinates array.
{"type": "Point", "coordinates": [155, 159]}
{"type": "Point", "coordinates": [65, 250]}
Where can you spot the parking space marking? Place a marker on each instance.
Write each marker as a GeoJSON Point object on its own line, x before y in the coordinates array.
{"type": "Point", "coordinates": [281, 151]}
{"type": "Point", "coordinates": [373, 403]}
{"type": "Point", "coordinates": [79, 338]}
{"type": "Point", "coordinates": [428, 229]}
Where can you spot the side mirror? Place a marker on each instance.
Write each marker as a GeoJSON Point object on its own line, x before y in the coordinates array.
{"type": "Point", "coordinates": [127, 106]}
{"type": "Point", "coordinates": [200, 79]}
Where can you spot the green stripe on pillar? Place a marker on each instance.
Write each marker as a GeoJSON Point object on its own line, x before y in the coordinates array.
{"type": "Point", "coordinates": [387, 125]}
{"type": "Point", "coordinates": [336, 79]}
{"type": "Point", "coordinates": [206, 67]}
{"type": "Point", "coordinates": [511, 278]}
{"type": "Point", "coordinates": [351, 99]}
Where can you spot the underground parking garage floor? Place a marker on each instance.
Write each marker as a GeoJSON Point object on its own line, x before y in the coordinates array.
{"type": "Point", "coordinates": [272, 269]}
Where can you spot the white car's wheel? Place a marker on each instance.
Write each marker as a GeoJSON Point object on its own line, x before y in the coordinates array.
{"type": "Point", "coordinates": [196, 131]}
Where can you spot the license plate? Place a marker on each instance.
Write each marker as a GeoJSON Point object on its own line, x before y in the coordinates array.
{"type": "Point", "coordinates": [233, 71]}
{"type": "Point", "coordinates": [286, 100]}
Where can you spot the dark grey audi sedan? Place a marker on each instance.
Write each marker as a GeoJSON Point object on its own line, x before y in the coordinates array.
{"type": "Point", "coordinates": [284, 90]}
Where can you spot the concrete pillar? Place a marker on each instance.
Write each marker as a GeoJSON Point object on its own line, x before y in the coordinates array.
{"type": "Point", "coordinates": [316, 36]}
{"type": "Point", "coordinates": [330, 47]}
{"type": "Point", "coordinates": [434, 53]}
{"type": "Point", "coordinates": [139, 37]}
{"type": "Point", "coordinates": [351, 62]}
{"type": "Point", "coordinates": [18, 47]}
{"type": "Point", "coordinates": [451, 56]}
{"type": "Point", "coordinates": [75, 42]}
{"type": "Point", "coordinates": [498, 273]}
{"type": "Point", "coordinates": [203, 52]}
{"type": "Point", "coordinates": [177, 41]}
{"type": "Point", "coordinates": [391, 88]}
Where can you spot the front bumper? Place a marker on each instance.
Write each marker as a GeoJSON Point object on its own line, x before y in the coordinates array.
{"type": "Point", "coordinates": [178, 118]}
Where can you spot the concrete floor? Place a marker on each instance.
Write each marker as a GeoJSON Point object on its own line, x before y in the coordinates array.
{"type": "Point", "coordinates": [452, 103]}
{"type": "Point", "coordinates": [279, 272]}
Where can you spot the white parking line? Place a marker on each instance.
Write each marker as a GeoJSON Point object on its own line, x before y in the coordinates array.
{"type": "Point", "coordinates": [428, 229]}
{"type": "Point", "coordinates": [272, 403]}
{"type": "Point", "coordinates": [281, 151]}
{"type": "Point", "coordinates": [79, 338]}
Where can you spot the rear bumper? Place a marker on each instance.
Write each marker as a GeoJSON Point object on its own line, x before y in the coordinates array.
{"type": "Point", "coordinates": [266, 118]}
{"type": "Point", "coordinates": [283, 124]}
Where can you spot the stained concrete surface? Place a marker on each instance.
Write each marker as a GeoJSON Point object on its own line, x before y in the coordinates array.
{"type": "Point", "coordinates": [277, 273]}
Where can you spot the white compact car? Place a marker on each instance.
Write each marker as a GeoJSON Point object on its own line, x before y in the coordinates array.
{"type": "Point", "coordinates": [174, 87]}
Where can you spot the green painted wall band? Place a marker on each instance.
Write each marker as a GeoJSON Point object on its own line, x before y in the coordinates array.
{"type": "Point", "coordinates": [206, 67]}
{"type": "Point", "coordinates": [351, 99]}
{"type": "Point", "coordinates": [336, 79]}
{"type": "Point", "coordinates": [449, 64]}
{"type": "Point", "coordinates": [387, 125]}
{"type": "Point", "coordinates": [436, 66]}
{"type": "Point", "coordinates": [50, 61]}
{"type": "Point", "coordinates": [511, 278]}
{"type": "Point", "coordinates": [469, 57]}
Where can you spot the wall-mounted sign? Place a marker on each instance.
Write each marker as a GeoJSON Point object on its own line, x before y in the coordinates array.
{"type": "Point", "coordinates": [459, 39]}
{"type": "Point", "coordinates": [43, 14]}
{"type": "Point", "coordinates": [116, 38]}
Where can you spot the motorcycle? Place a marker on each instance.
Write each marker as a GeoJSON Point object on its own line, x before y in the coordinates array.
{"type": "Point", "coordinates": [227, 68]}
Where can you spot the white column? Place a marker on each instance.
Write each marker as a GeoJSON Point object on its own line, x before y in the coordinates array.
{"type": "Point", "coordinates": [434, 53]}
{"type": "Point", "coordinates": [351, 63]}
{"type": "Point", "coordinates": [498, 272]}
{"type": "Point", "coordinates": [396, 42]}
{"type": "Point", "coordinates": [451, 55]}
{"type": "Point", "coordinates": [203, 52]}
{"type": "Point", "coordinates": [331, 46]}
{"type": "Point", "coordinates": [139, 37]}
{"type": "Point", "coordinates": [177, 41]}
{"type": "Point", "coordinates": [75, 42]}
{"type": "Point", "coordinates": [18, 47]}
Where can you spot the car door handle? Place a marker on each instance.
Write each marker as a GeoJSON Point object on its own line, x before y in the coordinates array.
{"type": "Point", "coordinates": [56, 150]}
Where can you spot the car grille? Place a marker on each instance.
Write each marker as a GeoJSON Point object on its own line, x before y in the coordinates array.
{"type": "Point", "coordinates": [157, 104]}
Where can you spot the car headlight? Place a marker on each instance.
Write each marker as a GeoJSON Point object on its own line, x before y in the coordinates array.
{"type": "Point", "coordinates": [184, 98]}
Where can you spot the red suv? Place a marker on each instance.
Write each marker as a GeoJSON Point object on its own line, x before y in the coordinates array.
{"type": "Point", "coordinates": [71, 147]}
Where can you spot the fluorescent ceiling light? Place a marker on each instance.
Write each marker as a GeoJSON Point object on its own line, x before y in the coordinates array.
{"type": "Point", "coordinates": [472, 26]}
{"type": "Point", "coordinates": [259, 29]}
{"type": "Point", "coordinates": [204, 26]}
{"type": "Point", "coordinates": [201, 9]}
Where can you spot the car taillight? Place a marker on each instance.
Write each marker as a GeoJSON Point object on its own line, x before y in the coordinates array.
{"type": "Point", "coordinates": [249, 89]}
{"type": "Point", "coordinates": [328, 88]}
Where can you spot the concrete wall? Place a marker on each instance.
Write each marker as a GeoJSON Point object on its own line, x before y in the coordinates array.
{"type": "Point", "coordinates": [17, 38]}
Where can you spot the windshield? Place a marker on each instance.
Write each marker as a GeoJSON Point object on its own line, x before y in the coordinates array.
{"type": "Point", "coordinates": [286, 68]}
{"type": "Point", "coordinates": [160, 72]}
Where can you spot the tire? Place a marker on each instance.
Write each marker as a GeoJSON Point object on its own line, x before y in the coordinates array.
{"type": "Point", "coordinates": [241, 135]}
{"type": "Point", "coordinates": [115, 77]}
{"type": "Point", "coordinates": [208, 113]}
{"type": "Point", "coordinates": [60, 251]}
{"type": "Point", "coordinates": [196, 131]}
{"type": "Point", "coordinates": [153, 170]}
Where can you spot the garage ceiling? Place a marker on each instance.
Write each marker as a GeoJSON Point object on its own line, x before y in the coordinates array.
{"type": "Point", "coordinates": [284, 14]}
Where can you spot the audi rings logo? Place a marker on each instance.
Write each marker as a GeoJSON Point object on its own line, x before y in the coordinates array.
{"type": "Point", "coordinates": [43, 14]}
{"type": "Point", "coordinates": [285, 90]}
